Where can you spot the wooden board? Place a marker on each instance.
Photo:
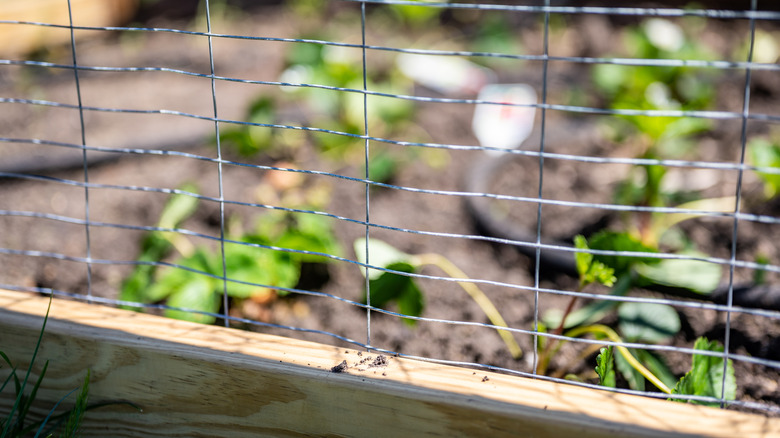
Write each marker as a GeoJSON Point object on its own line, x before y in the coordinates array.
{"type": "Point", "coordinates": [198, 380]}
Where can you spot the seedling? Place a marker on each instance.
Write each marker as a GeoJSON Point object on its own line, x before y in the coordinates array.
{"type": "Point", "coordinates": [390, 286]}
{"type": "Point", "coordinates": [637, 323]}
{"type": "Point", "coordinates": [645, 233]}
{"type": "Point", "coordinates": [706, 375]}
{"type": "Point", "coordinates": [250, 140]}
{"type": "Point", "coordinates": [705, 378]}
{"type": "Point", "coordinates": [343, 112]}
{"type": "Point", "coordinates": [254, 263]}
{"type": "Point", "coordinates": [659, 88]}
{"type": "Point", "coordinates": [766, 154]}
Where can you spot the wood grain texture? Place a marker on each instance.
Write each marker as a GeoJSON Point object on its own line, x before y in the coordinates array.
{"type": "Point", "coordinates": [197, 380]}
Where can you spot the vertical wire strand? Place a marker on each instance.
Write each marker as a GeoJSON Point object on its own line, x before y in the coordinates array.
{"type": "Point", "coordinates": [538, 255]}
{"type": "Point", "coordinates": [83, 151]}
{"type": "Point", "coordinates": [367, 173]}
{"type": "Point", "coordinates": [225, 303]}
{"type": "Point", "coordinates": [735, 228]}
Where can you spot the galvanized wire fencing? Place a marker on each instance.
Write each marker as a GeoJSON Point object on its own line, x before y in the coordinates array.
{"type": "Point", "coordinates": [540, 190]}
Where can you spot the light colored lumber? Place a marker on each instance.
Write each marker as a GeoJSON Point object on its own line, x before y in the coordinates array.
{"type": "Point", "coordinates": [198, 380]}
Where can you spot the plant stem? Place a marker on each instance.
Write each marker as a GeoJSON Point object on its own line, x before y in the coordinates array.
{"type": "Point", "coordinates": [614, 337]}
{"type": "Point", "coordinates": [566, 313]}
{"type": "Point", "coordinates": [544, 357]}
{"type": "Point", "coordinates": [476, 294]}
{"type": "Point", "coordinates": [181, 243]}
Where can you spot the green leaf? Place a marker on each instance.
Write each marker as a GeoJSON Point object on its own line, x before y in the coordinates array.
{"type": "Point", "coordinates": [384, 112]}
{"type": "Point", "coordinates": [388, 286]}
{"type": "Point", "coordinates": [314, 225]}
{"type": "Point", "coordinates": [305, 53]}
{"type": "Point", "coordinates": [196, 294]}
{"type": "Point", "coordinates": [706, 375]}
{"type": "Point", "coordinates": [259, 266]}
{"type": "Point", "coordinates": [411, 301]}
{"type": "Point", "coordinates": [663, 222]}
{"type": "Point", "coordinates": [624, 242]}
{"type": "Point", "coordinates": [179, 208]}
{"type": "Point", "coordinates": [583, 259]}
{"type": "Point", "coordinates": [591, 271]}
{"type": "Point", "coordinates": [647, 322]}
{"type": "Point", "coordinates": [605, 367]}
{"type": "Point", "coordinates": [382, 167]}
{"type": "Point", "coordinates": [135, 286]}
{"type": "Point", "coordinates": [293, 239]}
{"type": "Point", "coordinates": [259, 138]}
{"type": "Point", "coordinates": [635, 379]}
{"type": "Point", "coordinates": [759, 275]}
{"type": "Point", "coordinates": [248, 264]}
{"type": "Point", "coordinates": [657, 366]}
{"type": "Point", "coordinates": [240, 139]}
{"type": "Point", "coordinates": [695, 275]}
{"type": "Point", "coordinates": [402, 289]}
{"type": "Point", "coordinates": [381, 254]}
{"type": "Point", "coordinates": [764, 153]}
{"type": "Point", "coordinates": [169, 279]}
{"type": "Point", "coordinates": [154, 247]}
{"type": "Point", "coordinates": [311, 233]}
{"type": "Point", "coordinates": [610, 77]}
{"type": "Point", "coordinates": [686, 126]}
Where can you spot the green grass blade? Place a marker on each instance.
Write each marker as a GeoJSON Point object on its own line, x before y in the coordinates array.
{"type": "Point", "coordinates": [26, 406]}
{"type": "Point", "coordinates": [20, 386]}
{"type": "Point", "coordinates": [76, 416]}
{"type": "Point", "coordinates": [6, 359]}
{"type": "Point", "coordinates": [8, 379]}
{"type": "Point", "coordinates": [49, 416]}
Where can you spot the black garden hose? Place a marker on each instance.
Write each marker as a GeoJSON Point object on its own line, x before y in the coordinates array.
{"type": "Point", "coordinates": [478, 180]}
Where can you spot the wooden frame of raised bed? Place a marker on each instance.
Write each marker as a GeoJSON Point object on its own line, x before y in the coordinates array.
{"type": "Point", "coordinates": [199, 380]}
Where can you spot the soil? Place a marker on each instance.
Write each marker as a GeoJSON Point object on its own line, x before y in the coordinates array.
{"type": "Point", "coordinates": [497, 265]}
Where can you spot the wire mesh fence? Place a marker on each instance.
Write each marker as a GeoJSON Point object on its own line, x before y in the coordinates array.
{"type": "Point", "coordinates": [584, 194]}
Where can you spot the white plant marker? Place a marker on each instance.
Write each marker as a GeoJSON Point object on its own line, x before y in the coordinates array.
{"type": "Point", "coordinates": [504, 126]}
{"type": "Point", "coordinates": [445, 74]}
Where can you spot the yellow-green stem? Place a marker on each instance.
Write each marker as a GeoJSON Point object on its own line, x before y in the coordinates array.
{"type": "Point", "coordinates": [614, 337]}
{"type": "Point", "coordinates": [476, 294]}
{"type": "Point", "coordinates": [181, 243]}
